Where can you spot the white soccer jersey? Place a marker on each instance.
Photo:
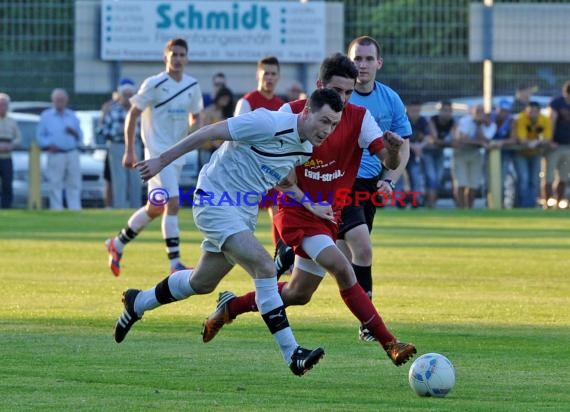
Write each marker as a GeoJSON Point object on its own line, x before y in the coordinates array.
{"type": "Point", "coordinates": [266, 145]}
{"type": "Point", "coordinates": [166, 105]}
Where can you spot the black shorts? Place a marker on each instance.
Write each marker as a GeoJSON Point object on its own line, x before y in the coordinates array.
{"type": "Point", "coordinates": [364, 212]}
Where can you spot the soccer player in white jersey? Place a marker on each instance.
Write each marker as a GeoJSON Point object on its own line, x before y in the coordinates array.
{"type": "Point", "coordinates": [169, 105]}
{"type": "Point", "coordinates": [260, 149]}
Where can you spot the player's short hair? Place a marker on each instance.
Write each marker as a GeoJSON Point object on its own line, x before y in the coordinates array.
{"type": "Point", "coordinates": [175, 42]}
{"type": "Point", "coordinates": [366, 41]}
{"type": "Point", "coordinates": [5, 97]}
{"type": "Point", "coordinates": [323, 96]}
{"type": "Point", "coordinates": [271, 60]}
{"type": "Point", "coordinates": [337, 65]}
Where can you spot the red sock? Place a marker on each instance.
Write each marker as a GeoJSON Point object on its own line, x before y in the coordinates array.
{"type": "Point", "coordinates": [246, 303]}
{"type": "Point", "coordinates": [360, 305]}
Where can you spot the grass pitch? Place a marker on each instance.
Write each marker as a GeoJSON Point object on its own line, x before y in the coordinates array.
{"type": "Point", "coordinates": [490, 290]}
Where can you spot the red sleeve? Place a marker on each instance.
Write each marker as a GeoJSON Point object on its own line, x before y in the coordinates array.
{"type": "Point", "coordinates": [376, 145]}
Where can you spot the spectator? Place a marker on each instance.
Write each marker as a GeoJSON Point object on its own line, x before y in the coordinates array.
{"type": "Point", "coordinates": [503, 137]}
{"type": "Point", "coordinates": [421, 134]}
{"type": "Point", "coordinates": [532, 130]}
{"type": "Point", "coordinates": [218, 81]}
{"type": "Point", "coordinates": [443, 126]}
{"type": "Point", "coordinates": [126, 184]}
{"type": "Point", "coordinates": [108, 201]}
{"type": "Point", "coordinates": [295, 92]}
{"type": "Point", "coordinates": [558, 159]}
{"type": "Point", "coordinates": [59, 133]}
{"type": "Point", "coordinates": [522, 98]}
{"type": "Point", "coordinates": [9, 137]}
{"type": "Point", "coordinates": [473, 133]}
{"type": "Point", "coordinates": [222, 109]}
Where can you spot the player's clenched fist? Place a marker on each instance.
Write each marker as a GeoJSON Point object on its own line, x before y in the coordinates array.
{"type": "Point", "coordinates": [392, 144]}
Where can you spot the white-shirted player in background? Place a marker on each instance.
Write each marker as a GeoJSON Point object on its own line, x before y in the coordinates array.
{"type": "Point", "coordinates": [169, 105]}
{"type": "Point", "coordinates": [260, 149]}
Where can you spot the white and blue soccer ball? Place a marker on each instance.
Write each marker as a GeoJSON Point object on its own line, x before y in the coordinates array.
{"type": "Point", "coordinates": [432, 374]}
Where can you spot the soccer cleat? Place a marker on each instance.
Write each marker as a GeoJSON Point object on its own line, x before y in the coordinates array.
{"type": "Point", "coordinates": [114, 257]}
{"type": "Point", "coordinates": [284, 258]}
{"type": "Point", "coordinates": [304, 359]}
{"type": "Point", "coordinates": [177, 267]}
{"type": "Point", "coordinates": [128, 317]}
{"type": "Point", "coordinates": [365, 335]}
{"type": "Point", "coordinates": [400, 352]}
{"type": "Point", "coordinates": [219, 318]}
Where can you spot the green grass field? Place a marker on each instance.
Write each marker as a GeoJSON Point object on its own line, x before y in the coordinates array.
{"type": "Point", "coordinates": [490, 290]}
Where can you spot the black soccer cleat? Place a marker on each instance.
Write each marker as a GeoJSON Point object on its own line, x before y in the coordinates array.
{"type": "Point", "coordinates": [365, 335]}
{"type": "Point", "coordinates": [304, 359]}
{"type": "Point", "coordinates": [128, 317]}
{"type": "Point", "coordinates": [284, 258]}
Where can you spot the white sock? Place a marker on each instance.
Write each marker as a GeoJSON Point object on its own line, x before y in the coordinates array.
{"type": "Point", "coordinates": [179, 286]}
{"type": "Point", "coordinates": [146, 300]}
{"type": "Point", "coordinates": [267, 298]}
{"type": "Point", "coordinates": [170, 229]}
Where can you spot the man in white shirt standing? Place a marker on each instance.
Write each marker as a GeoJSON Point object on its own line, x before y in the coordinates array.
{"type": "Point", "coordinates": [473, 133]}
{"type": "Point", "coordinates": [169, 105]}
{"type": "Point", "coordinates": [59, 133]}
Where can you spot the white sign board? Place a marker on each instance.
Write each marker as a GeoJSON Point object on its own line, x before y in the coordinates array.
{"type": "Point", "coordinates": [235, 31]}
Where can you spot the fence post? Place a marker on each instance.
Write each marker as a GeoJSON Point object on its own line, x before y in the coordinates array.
{"type": "Point", "coordinates": [495, 180]}
{"type": "Point", "coordinates": [34, 178]}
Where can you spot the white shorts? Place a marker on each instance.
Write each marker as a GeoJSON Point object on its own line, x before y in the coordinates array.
{"type": "Point", "coordinates": [217, 223]}
{"type": "Point", "coordinates": [312, 246]}
{"type": "Point", "coordinates": [167, 180]}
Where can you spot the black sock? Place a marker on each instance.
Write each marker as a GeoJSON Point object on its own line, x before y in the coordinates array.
{"type": "Point", "coordinates": [276, 319]}
{"type": "Point", "coordinates": [163, 293]}
{"type": "Point", "coordinates": [126, 235]}
{"type": "Point", "coordinates": [364, 278]}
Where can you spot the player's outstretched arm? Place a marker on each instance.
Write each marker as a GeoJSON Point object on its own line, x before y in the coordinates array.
{"type": "Point", "coordinates": [216, 131]}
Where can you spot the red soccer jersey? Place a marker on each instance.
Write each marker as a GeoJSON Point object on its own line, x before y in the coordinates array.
{"type": "Point", "coordinates": [332, 167]}
{"type": "Point", "coordinates": [257, 100]}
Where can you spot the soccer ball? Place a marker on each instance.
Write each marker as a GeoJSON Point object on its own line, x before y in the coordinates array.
{"type": "Point", "coordinates": [432, 374]}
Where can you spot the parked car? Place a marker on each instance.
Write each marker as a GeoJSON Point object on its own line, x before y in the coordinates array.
{"type": "Point", "coordinates": [33, 107]}
{"type": "Point", "coordinates": [93, 184]}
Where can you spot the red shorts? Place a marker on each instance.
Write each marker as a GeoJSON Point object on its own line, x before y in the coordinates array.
{"type": "Point", "coordinates": [295, 223]}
